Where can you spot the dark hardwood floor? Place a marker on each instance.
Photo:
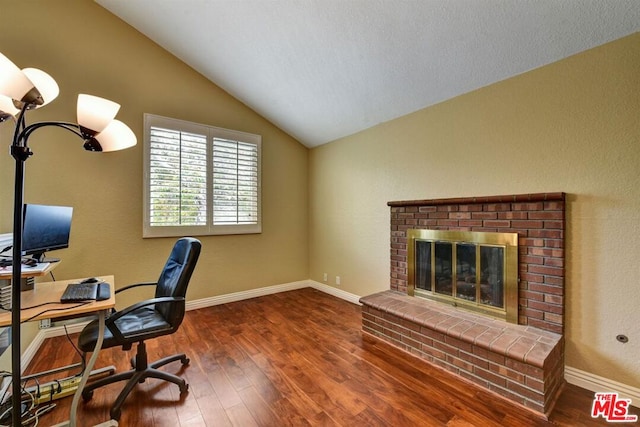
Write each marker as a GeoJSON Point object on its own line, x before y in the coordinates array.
{"type": "Point", "coordinates": [294, 359]}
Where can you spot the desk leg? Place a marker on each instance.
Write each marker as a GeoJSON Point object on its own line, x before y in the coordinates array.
{"type": "Point", "coordinates": [86, 374]}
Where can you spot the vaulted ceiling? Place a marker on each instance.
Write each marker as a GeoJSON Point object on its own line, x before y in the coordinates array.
{"type": "Point", "coordinates": [324, 69]}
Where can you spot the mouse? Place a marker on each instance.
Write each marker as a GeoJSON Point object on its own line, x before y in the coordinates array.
{"type": "Point", "coordinates": [90, 280]}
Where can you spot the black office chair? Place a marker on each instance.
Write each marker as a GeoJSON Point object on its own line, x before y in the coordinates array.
{"type": "Point", "coordinates": [148, 319]}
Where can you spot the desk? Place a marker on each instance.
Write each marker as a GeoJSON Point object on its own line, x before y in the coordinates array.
{"type": "Point", "coordinates": [6, 273]}
{"type": "Point", "coordinates": [27, 274]}
{"type": "Point", "coordinates": [51, 292]}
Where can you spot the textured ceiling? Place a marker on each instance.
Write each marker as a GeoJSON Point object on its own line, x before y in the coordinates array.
{"type": "Point", "coordinates": [324, 69]}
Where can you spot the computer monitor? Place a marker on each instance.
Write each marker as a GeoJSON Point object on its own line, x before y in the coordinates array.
{"type": "Point", "coordinates": [45, 228]}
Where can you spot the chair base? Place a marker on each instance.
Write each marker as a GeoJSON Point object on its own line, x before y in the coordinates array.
{"type": "Point", "coordinates": [139, 374]}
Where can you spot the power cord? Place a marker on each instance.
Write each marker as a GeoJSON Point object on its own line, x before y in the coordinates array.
{"type": "Point", "coordinates": [35, 417]}
{"type": "Point", "coordinates": [78, 352]}
{"type": "Point", "coordinates": [66, 307]}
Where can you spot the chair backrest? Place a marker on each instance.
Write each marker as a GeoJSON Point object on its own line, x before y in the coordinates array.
{"type": "Point", "coordinates": [175, 277]}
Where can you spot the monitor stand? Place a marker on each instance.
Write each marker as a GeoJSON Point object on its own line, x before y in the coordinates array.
{"type": "Point", "coordinates": [40, 258]}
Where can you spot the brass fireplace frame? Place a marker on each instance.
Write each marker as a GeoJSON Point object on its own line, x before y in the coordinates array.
{"type": "Point", "coordinates": [508, 241]}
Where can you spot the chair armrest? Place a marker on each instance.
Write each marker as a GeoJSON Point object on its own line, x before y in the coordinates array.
{"type": "Point", "coordinates": [135, 285]}
{"type": "Point", "coordinates": [110, 321]}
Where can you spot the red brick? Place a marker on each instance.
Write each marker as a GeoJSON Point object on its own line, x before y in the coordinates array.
{"type": "Point", "coordinates": [497, 207]}
{"type": "Point", "coordinates": [460, 215]}
{"type": "Point", "coordinates": [470, 208]}
{"type": "Point", "coordinates": [438, 215]}
{"type": "Point", "coordinates": [531, 242]}
{"type": "Point", "coordinates": [532, 278]}
{"type": "Point", "coordinates": [550, 206]}
{"type": "Point", "coordinates": [549, 271]}
{"type": "Point", "coordinates": [554, 318]}
{"type": "Point", "coordinates": [482, 363]}
{"type": "Point", "coordinates": [513, 215]}
{"type": "Point", "coordinates": [531, 314]}
{"type": "Point", "coordinates": [546, 233]}
{"type": "Point", "coordinates": [527, 206]}
{"type": "Point", "coordinates": [470, 223]}
{"type": "Point", "coordinates": [554, 243]}
{"type": "Point", "coordinates": [427, 208]}
{"type": "Point", "coordinates": [546, 307]}
{"type": "Point", "coordinates": [481, 352]}
{"type": "Point", "coordinates": [496, 358]}
{"type": "Point", "coordinates": [541, 269]}
{"type": "Point", "coordinates": [497, 223]}
{"type": "Point", "coordinates": [546, 252]}
{"type": "Point", "coordinates": [448, 222]}
{"type": "Point", "coordinates": [490, 376]}
{"type": "Point", "coordinates": [527, 224]}
{"type": "Point", "coordinates": [534, 384]}
{"type": "Point", "coordinates": [556, 281]}
{"type": "Point", "coordinates": [503, 371]}
{"type": "Point", "coordinates": [554, 224]}
{"type": "Point", "coordinates": [554, 299]}
{"type": "Point", "coordinates": [484, 215]}
{"type": "Point", "coordinates": [525, 391]}
{"type": "Point", "coordinates": [532, 259]}
{"type": "Point", "coordinates": [547, 214]}
{"type": "Point", "coordinates": [458, 344]}
{"type": "Point", "coordinates": [535, 296]}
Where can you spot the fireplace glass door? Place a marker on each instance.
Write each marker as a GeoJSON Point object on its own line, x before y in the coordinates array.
{"type": "Point", "coordinates": [466, 272]}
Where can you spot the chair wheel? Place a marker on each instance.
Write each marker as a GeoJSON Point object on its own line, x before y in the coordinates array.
{"type": "Point", "coordinates": [185, 361]}
{"type": "Point", "coordinates": [87, 395]}
{"type": "Point", "coordinates": [115, 414]}
{"type": "Point", "coordinates": [184, 388]}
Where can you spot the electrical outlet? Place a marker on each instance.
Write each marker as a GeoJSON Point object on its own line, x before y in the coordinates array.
{"type": "Point", "coordinates": [337, 280]}
{"type": "Point", "coordinates": [325, 277]}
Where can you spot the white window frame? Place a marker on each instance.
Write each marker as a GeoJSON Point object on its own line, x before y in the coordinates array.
{"type": "Point", "coordinates": [211, 132]}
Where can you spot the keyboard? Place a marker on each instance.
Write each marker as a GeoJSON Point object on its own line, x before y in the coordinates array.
{"type": "Point", "coordinates": [78, 292]}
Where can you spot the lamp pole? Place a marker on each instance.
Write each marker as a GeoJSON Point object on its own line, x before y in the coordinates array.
{"type": "Point", "coordinates": [20, 151]}
{"type": "Point", "coordinates": [16, 353]}
{"type": "Point", "coordinates": [20, 91]}
{"type": "Point", "coordinates": [20, 154]}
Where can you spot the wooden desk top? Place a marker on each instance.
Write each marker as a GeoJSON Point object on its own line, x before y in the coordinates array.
{"type": "Point", "coordinates": [37, 271]}
{"type": "Point", "coordinates": [50, 292]}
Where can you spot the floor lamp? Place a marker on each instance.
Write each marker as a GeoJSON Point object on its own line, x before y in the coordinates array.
{"type": "Point", "coordinates": [21, 91]}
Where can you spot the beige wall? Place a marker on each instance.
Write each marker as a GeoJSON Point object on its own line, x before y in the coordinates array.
{"type": "Point", "coordinates": [572, 126]}
{"type": "Point", "coordinates": [88, 50]}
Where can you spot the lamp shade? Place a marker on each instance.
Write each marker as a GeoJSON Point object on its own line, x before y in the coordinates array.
{"type": "Point", "coordinates": [116, 136]}
{"type": "Point", "coordinates": [13, 82]}
{"type": "Point", "coordinates": [7, 109]}
{"type": "Point", "coordinates": [95, 113]}
{"type": "Point", "coordinates": [44, 83]}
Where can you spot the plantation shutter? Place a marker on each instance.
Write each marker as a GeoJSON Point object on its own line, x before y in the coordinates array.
{"type": "Point", "coordinates": [177, 178]}
{"type": "Point", "coordinates": [235, 182]}
{"type": "Point", "coordinates": [200, 180]}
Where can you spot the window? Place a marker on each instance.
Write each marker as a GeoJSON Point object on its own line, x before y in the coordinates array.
{"type": "Point", "coordinates": [200, 179]}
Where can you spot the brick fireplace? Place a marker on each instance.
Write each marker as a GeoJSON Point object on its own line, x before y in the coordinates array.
{"type": "Point", "coordinates": [522, 362]}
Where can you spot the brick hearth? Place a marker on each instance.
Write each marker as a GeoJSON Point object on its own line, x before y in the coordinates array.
{"type": "Point", "coordinates": [524, 362]}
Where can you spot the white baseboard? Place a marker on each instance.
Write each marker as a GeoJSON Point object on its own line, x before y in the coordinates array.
{"type": "Point", "coordinates": [338, 293]}
{"type": "Point", "coordinates": [595, 384]}
{"type": "Point", "coordinates": [29, 353]}
{"type": "Point", "coordinates": [243, 295]}
{"type": "Point", "coordinates": [572, 375]}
